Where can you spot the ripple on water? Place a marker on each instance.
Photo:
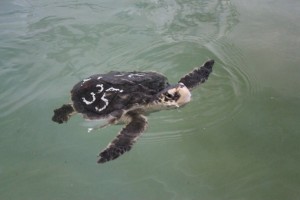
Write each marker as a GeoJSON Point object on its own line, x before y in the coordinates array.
{"type": "Point", "coordinates": [124, 43]}
{"type": "Point", "coordinates": [163, 135]}
{"type": "Point", "coordinates": [217, 101]}
{"type": "Point", "coordinates": [21, 88]}
{"type": "Point", "coordinates": [230, 84]}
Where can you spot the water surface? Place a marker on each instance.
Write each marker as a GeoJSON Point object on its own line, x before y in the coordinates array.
{"type": "Point", "coordinates": [238, 138]}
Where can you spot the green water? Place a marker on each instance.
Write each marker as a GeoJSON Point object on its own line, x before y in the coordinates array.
{"type": "Point", "coordinates": [238, 139]}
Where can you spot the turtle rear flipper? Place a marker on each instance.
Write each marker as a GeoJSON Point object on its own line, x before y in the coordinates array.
{"type": "Point", "coordinates": [126, 138]}
{"type": "Point", "coordinates": [63, 113]}
{"type": "Point", "coordinates": [198, 75]}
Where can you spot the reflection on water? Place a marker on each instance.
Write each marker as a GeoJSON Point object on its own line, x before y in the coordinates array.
{"type": "Point", "coordinates": [236, 139]}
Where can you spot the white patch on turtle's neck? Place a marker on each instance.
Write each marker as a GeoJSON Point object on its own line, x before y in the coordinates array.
{"type": "Point", "coordinates": [89, 102]}
{"type": "Point", "coordinates": [105, 101]}
{"type": "Point", "coordinates": [131, 75]}
{"type": "Point", "coordinates": [114, 89]}
{"type": "Point", "coordinates": [101, 88]}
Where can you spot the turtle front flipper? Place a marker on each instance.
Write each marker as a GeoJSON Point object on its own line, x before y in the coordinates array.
{"type": "Point", "coordinates": [198, 75]}
{"type": "Point", "coordinates": [137, 123]}
{"type": "Point", "coordinates": [63, 113]}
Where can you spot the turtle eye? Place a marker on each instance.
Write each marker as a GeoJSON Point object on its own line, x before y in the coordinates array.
{"type": "Point", "coordinates": [169, 95]}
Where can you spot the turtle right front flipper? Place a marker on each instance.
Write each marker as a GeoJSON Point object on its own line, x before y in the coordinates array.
{"type": "Point", "coordinates": [198, 75]}
{"type": "Point", "coordinates": [126, 138]}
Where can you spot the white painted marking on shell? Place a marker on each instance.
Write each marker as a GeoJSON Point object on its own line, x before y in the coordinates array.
{"type": "Point", "coordinates": [101, 88]}
{"type": "Point", "coordinates": [106, 104]}
{"type": "Point", "coordinates": [131, 75]}
{"type": "Point", "coordinates": [114, 89]}
{"type": "Point", "coordinates": [99, 77]}
{"type": "Point", "coordinates": [89, 102]}
{"type": "Point", "coordinates": [127, 80]}
{"type": "Point", "coordinates": [85, 80]}
{"type": "Point", "coordinates": [119, 74]}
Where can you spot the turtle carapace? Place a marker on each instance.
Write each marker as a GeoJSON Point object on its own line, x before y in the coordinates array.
{"type": "Point", "coordinates": [126, 97]}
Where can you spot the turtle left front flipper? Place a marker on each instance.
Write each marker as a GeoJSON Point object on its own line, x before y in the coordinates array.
{"type": "Point", "coordinates": [136, 124]}
{"type": "Point", "coordinates": [198, 75]}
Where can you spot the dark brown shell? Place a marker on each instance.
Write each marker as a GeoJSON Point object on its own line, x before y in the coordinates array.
{"type": "Point", "coordinates": [103, 94]}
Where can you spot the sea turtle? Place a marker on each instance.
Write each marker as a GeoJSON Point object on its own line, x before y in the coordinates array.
{"type": "Point", "coordinates": [126, 97]}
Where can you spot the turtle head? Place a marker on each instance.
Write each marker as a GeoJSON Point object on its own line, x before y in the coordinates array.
{"type": "Point", "coordinates": [174, 96]}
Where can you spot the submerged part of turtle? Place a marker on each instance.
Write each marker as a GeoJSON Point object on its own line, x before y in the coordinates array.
{"type": "Point", "coordinates": [126, 97]}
